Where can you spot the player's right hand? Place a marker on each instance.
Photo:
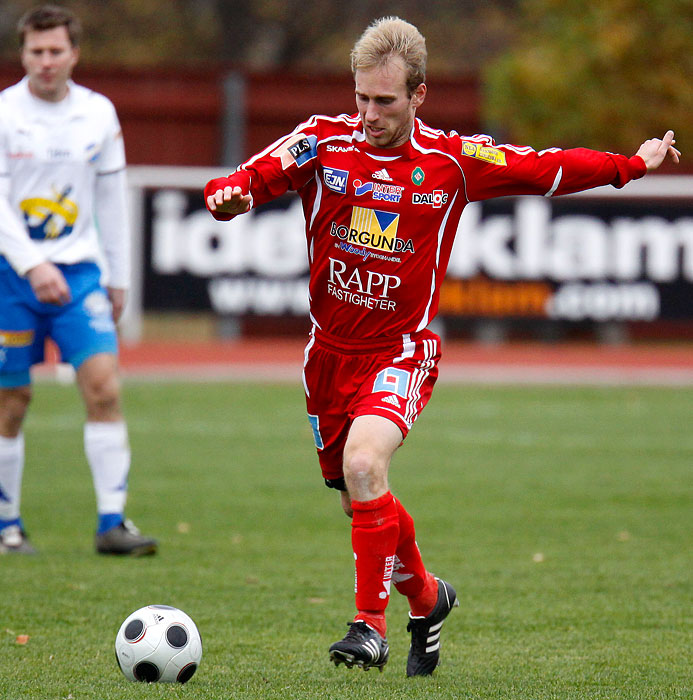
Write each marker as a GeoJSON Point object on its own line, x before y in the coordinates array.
{"type": "Point", "coordinates": [229, 200]}
{"type": "Point", "coordinates": [49, 284]}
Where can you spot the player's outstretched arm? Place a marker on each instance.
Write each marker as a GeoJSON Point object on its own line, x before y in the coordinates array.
{"type": "Point", "coordinates": [654, 151]}
{"type": "Point", "coordinates": [229, 200]}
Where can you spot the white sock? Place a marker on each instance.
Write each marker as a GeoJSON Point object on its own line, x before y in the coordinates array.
{"type": "Point", "coordinates": [108, 453]}
{"type": "Point", "coordinates": [11, 469]}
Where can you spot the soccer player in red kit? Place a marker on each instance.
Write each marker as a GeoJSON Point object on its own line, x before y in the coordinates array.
{"type": "Point", "coordinates": [382, 195]}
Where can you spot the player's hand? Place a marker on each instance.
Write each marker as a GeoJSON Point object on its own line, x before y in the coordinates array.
{"type": "Point", "coordinates": [49, 284]}
{"type": "Point", "coordinates": [654, 151]}
{"type": "Point", "coordinates": [117, 297]}
{"type": "Point", "coordinates": [229, 200]}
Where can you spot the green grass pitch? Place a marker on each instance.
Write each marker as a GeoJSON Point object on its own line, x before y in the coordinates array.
{"type": "Point", "coordinates": [563, 516]}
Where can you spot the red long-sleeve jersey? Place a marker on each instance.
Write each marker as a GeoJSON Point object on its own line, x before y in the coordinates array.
{"type": "Point", "coordinates": [380, 222]}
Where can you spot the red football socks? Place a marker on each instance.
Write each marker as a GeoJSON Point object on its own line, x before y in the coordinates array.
{"type": "Point", "coordinates": [411, 578]}
{"type": "Point", "coordinates": [385, 551]}
{"type": "Point", "coordinates": [374, 536]}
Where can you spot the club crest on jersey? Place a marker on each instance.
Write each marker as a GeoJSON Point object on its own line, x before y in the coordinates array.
{"type": "Point", "coordinates": [335, 179]}
{"type": "Point", "coordinates": [299, 149]}
{"type": "Point", "coordinates": [481, 152]}
{"type": "Point", "coordinates": [379, 190]}
{"type": "Point", "coordinates": [435, 199]}
{"type": "Point", "coordinates": [418, 176]}
{"type": "Point", "coordinates": [373, 228]}
{"type": "Point", "coordinates": [50, 218]}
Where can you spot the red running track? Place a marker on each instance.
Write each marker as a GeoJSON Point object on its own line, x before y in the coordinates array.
{"type": "Point", "coordinates": [272, 359]}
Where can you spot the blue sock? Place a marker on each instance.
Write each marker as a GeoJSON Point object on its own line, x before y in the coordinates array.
{"type": "Point", "coordinates": [107, 521]}
{"type": "Point", "coordinates": [7, 523]}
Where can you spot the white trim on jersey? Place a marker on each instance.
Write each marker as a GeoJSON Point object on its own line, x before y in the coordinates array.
{"type": "Point", "coordinates": [418, 147]}
{"type": "Point", "coordinates": [306, 352]}
{"type": "Point", "coordinates": [316, 204]}
{"type": "Point", "coordinates": [556, 182]}
{"type": "Point", "coordinates": [418, 379]}
{"type": "Point", "coordinates": [425, 320]}
{"type": "Point", "coordinates": [385, 158]}
{"type": "Point", "coordinates": [408, 348]}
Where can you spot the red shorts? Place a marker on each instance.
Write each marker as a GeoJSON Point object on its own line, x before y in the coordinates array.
{"type": "Point", "coordinates": [393, 379]}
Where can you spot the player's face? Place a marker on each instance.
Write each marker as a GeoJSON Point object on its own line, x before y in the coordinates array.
{"type": "Point", "coordinates": [385, 107]}
{"type": "Point", "coordinates": [48, 58]}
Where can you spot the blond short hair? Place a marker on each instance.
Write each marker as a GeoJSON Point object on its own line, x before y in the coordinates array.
{"type": "Point", "coordinates": [388, 37]}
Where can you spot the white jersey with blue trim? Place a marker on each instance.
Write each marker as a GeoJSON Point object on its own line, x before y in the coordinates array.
{"type": "Point", "coordinates": [51, 157]}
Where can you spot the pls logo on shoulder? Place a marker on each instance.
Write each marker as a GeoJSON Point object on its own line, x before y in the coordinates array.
{"type": "Point", "coordinates": [336, 179]}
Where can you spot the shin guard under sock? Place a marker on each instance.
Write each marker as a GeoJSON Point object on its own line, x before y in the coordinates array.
{"type": "Point", "coordinates": [374, 535]}
{"type": "Point", "coordinates": [411, 578]}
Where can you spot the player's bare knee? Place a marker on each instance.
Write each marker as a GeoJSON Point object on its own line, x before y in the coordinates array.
{"type": "Point", "coordinates": [13, 407]}
{"type": "Point", "coordinates": [359, 467]}
{"type": "Point", "coordinates": [102, 398]}
{"type": "Point", "coordinates": [364, 474]}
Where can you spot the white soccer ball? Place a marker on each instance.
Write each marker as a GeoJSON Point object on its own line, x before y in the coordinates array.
{"type": "Point", "coordinates": [158, 643]}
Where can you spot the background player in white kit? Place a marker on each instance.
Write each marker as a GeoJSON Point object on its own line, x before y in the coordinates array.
{"type": "Point", "coordinates": [62, 174]}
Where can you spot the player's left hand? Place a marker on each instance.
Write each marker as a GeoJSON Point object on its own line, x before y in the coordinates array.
{"type": "Point", "coordinates": [654, 151]}
{"type": "Point", "coordinates": [117, 297]}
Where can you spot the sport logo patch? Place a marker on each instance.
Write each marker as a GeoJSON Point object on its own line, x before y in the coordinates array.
{"type": "Point", "coordinates": [481, 152]}
{"type": "Point", "coordinates": [391, 398]}
{"type": "Point", "coordinates": [379, 190]}
{"type": "Point", "coordinates": [336, 179]}
{"type": "Point", "coordinates": [299, 150]}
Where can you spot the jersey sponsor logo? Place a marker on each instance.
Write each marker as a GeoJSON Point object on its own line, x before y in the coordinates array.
{"type": "Point", "coordinates": [375, 229]}
{"type": "Point", "coordinates": [297, 150]}
{"type": "Point", "coordinates": [339, 149]}
{"type": "Point", "coordinates": [336, 179]}
{"type": "Point", "coordinates": [361, 287]}
{"type": "Point", "coordinates": [50, 218]}
{"type": "Point", "coordinates": [16, 339]}
{"type": "Point", "coordinates": [481, 152]}
{"type": "Point", "coordinates": [379, 191]}
{"type": "Point", "coordinates": [59, 153]}
{"type": "Point", "coordinates": [435, 199]}
{"type": "Point", "coordinates": [365, 253]}
{"type": "Point", "coordinates": [382, 175]}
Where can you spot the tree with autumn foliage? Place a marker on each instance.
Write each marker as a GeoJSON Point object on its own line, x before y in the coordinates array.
{"type": "Point", "coordinates": [594, 73]}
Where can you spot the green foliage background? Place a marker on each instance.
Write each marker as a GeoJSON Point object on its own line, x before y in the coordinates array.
{"type": "Point", "coordinates": [607, 74]}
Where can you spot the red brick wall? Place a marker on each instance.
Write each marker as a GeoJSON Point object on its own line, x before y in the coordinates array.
{"type": "Point", "coordinates": [176, 117]}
